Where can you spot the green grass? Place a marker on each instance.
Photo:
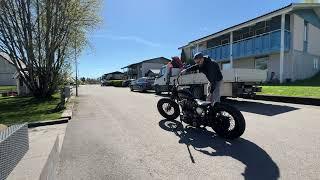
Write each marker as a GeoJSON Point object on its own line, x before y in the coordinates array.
{"type": "Point", "coordinates": [303, 88]}
{"type": "Point", "coordinates": [28, 109]}
{"type": "Point", "coordinates": [298, 91]}
{"type": "Point", "coordinates": [8, 88]}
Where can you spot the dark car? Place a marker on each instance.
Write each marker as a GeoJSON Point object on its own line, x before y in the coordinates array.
{"type": "Point", "coordinates": [142, 84]}
{"type": "Point", "coordinates": [126, 83]}
{"type": "Point", "coordinates": [105, 83]}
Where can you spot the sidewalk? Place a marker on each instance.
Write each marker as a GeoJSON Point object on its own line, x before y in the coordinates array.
{"type": "Point", "coordinates": [42, 140]}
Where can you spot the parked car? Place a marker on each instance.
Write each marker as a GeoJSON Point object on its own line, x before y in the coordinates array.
{"type": "Point", "coordinates": [142, 84]}
{"type": "Point", "coordinates": [105, 83]}
{"type": "Point", "coordinates": [126, 83]}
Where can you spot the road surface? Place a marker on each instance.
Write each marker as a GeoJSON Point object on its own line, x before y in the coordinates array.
{"type": "Point", "coordinates": [118, 134]}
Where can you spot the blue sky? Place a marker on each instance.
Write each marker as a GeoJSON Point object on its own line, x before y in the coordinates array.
{"type": "Point", "coordinates": [134, 30]}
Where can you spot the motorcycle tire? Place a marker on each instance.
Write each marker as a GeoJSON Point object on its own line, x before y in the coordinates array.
{"type": "Point", "coordinates": [172, 106]}
{"type": "Point", "coordinates": [221, 124]}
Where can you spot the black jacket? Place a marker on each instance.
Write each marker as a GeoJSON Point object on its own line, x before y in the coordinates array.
{"type": "Point", "coordinates": [211, 69]}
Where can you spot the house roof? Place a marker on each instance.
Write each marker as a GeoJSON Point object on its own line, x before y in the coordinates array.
{"type": "Point", "coordinates": [148, 60]}
{"type": "Point", "coordinates": [285, 9]}
{"type": "Point", "coordinates": [116, 72]}
{"type": "Point", "coordinates": [7, 58]}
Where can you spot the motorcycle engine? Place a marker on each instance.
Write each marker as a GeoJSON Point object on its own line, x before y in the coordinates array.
{"type": "Point", "coordinates": [191, 112]}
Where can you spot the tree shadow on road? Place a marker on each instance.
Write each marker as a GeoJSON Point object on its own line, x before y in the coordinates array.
{"type": "Point", "coordinates": [259, 164]}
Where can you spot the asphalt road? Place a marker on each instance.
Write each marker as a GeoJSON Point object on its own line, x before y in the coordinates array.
{"type": "Point", "coordinates": [118, 134]}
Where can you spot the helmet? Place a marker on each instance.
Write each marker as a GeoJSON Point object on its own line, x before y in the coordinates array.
{"type": "Point", "coordinates": [198, 55]}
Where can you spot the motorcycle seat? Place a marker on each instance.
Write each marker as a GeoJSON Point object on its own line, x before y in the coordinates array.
{"type": "Point", "coordinates": [203, 103]}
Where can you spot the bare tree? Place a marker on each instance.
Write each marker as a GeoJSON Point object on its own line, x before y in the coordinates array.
{"type": "Point", "coordinates": [41, 35]}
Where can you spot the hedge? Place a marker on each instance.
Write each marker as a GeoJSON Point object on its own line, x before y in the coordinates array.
{"type": "Point", "coordinates": [115, 83]}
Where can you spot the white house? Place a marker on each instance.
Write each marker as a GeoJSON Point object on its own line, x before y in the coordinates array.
{"type": "Point", "coordinates": [7, 71]}
{"type": "Point", "coordinates": [140, 69]}
{"type": "Point", "coordinates": [286, 42]}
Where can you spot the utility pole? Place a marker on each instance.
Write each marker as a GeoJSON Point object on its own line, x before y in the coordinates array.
{"type": "Point", "coordinates": [76, 61]}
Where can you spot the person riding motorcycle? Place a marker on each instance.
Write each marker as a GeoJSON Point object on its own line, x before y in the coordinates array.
{"type": "Point", "coordinates": [212, 71]}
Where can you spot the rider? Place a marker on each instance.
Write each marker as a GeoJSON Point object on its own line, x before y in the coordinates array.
{"type": "Point", "coordinates": [212, 71]}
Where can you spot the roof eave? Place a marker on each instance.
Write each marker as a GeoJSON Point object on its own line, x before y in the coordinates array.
{"type": "Point", "coordinates": [269, 15]}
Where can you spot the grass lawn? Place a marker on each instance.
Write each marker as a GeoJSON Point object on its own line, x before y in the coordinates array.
{"type": "Point", "coordinates": [27, 109]}
{"type": "Point", "coordinates": [305, 88]}
{"type": "Point", "coordinates": [8, 88]}
{"type": "Point", "coordinates": [300, 91]}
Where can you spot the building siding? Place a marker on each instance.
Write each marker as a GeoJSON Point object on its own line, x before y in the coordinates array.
{"type": "Point", "coordinates": [297, 33]}
{"type": "Point", "coordinates": [7, 71]}
{"type": "Point", "coordinates": [246, 63]}
{"type": "Point", "coordinates": [302, 65]}
{"type": "Point", "coordinates": [314, 40]}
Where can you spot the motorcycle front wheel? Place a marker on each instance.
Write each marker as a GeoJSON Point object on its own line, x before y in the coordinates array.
{"type": "Point", "coordinates": [228, 122]}
{"type": "Point", "coordinates": [168, 108]}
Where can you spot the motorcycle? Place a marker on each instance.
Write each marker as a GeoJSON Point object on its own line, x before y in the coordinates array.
{"type": "Point", "coordinates": [227, 121]}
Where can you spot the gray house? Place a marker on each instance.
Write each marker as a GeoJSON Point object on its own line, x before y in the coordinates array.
{"type": "Point", "coordinates": [141, 69]}
{"type": "Point", "coordinates": [7, 71]}
{"type": "Point", "coordinates": [286, 42]}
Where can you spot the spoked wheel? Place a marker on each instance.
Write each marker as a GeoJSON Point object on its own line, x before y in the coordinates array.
{"type": "Point", "coordinates": [168, 108]}
{"type": "Point", "coordinates": [229, 122]}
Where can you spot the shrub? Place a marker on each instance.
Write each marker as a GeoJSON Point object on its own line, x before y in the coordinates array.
{"type": "Point", "coordinates": [115, 83]}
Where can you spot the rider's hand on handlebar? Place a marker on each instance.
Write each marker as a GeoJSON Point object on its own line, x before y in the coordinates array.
{"type": "Point", "coordinates": [183, 72]}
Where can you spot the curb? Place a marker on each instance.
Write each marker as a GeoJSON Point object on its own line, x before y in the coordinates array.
{"type": "Point", "coordinates": [67, 113]}
{"type": "Point", "coordinates": [287, 99]}
{"type": "Point", "coordinates": [48, 123]}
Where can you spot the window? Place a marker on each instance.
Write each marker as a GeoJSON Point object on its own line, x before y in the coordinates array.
{"type": "Point", "coordinates": [20, 82]}
{"type": "Point", "coordinates": [305, 37]}
{"type": "Point", "coordinates": [226, 66]}
{"type": "Point", "coordinates": [261, 63]}
{"type": "Point", "coordinates": [316, 63]}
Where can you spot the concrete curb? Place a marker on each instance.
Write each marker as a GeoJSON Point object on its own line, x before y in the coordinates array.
{"type": "Point", "coordinates": [287, 99]}
{"type": "Point", "coordinates": [48, 123]}
{"type": "Point", "coordinates": [67, 113]}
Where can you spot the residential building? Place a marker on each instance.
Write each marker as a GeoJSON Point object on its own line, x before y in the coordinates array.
{"type": "Point", "coordinates": [153, 73]}
{"type": "Point", "coordinates": [113, 76]}
{"type": "Point", "coordinates": [286, 42]}
{"type": "Point", "coordinates": [7, 71]}
{"type": "Point", "coordinates": [140, 69]}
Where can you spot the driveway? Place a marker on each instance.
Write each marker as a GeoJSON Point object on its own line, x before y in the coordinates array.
{"type": "Point", "coordinates": [118, 134]}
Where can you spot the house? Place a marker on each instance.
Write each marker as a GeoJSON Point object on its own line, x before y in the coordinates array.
{"type": "Point", "coordinates": [153, 73]}
{"type": "Point", "coordinates": [7, 70]}
{"type": "Point", "coordinates": [10, 76]}
{"type": "Point", "coordinates": [113, 76]}
{"type": "Point", "coordinates": [285, 42]}
{"type": "Point", "coordinates": [138, 70]}
{"type": "Point", "coordinates": [22, 88]}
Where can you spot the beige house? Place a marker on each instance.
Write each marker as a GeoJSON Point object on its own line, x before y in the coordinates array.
{"type": "Point", "coordinates": [286, 42]}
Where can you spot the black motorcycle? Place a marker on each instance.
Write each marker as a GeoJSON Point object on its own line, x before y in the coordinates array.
{"type": "Point", "coordinates": [225, 120]}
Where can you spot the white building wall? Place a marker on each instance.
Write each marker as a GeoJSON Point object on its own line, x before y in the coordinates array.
{"type": "Point", "coordinates": [6, 72]}
{"type": "Point", "coordinates": [246, 63]}
{"type": "Point", "coordinates": [314, 40]}
{"type": "Point", "coordinates": [297, 32]}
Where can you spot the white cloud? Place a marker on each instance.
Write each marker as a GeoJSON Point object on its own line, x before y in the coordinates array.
{"type": "Point", "coordinates": [128, 38]}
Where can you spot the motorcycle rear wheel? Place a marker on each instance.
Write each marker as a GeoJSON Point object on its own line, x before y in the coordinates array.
{"type": "Point", "coordinates": [228, 122]}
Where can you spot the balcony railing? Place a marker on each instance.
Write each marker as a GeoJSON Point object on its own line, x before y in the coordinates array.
{"type": "Point", "coordinates": [253, 46]}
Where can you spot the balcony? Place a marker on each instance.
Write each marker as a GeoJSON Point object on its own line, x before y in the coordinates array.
{"type": "Point", "coordinates": [254, 46]}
